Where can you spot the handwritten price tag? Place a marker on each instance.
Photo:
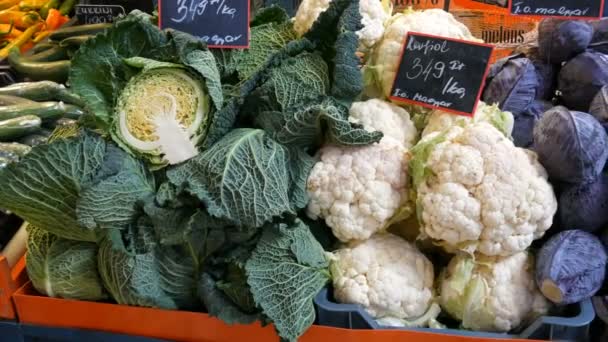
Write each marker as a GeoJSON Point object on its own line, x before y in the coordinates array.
{"type": "Point", "coordinates": [574, 9]}
{"type": "Point", "coordinates": [219, 23]}
{"type": "Point", "coordinates": [438, 72]}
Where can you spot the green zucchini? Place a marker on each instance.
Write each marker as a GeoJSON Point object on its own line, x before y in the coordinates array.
{"type": "Point", "coordinates": [74, 41]}
{"type": "Point", "coordinates": [55, 71]}
{"type": "Point", "coordinates": [40, 47]}
{"type": "Point", "coordinates": [9, 100]}
{"type": "Point", "coordinates": [16, 148]}
{"type": "Point", "coordinates": [50, 55]}
{"type": "Point", "coordinates": [42, 91]}
{"type": "Point", "coordinates": [44, 110]}
{"type": "Point", "coordinates": [34, 139]}
{"type": "Point", "coordinates": [91, 29]}
{"type": "Point", "coordinates": [18, 127]}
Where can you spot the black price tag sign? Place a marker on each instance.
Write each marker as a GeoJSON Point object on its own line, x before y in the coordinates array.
{"type": "Point", "coordinates": [573, 9]}
{"type": "Point", "coordinates": [106, 11]}
{"type": "Point", "coordinates": [438, 72]}
{"type": "Point", "coordinates": [97, 14]}
{"type": "Point", "coordinates": [219, 23]}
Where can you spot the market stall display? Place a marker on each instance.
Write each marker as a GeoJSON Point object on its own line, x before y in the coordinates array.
{"type": "Point", "coordinates": [255, 184]}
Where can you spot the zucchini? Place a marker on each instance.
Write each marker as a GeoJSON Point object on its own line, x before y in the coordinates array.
{"type": "Point", "coordinates": [34, 140]}
{"type": "Point", "coordinates": [43, 47]}
{"type": "Point", "coordinates": [74, 41]}
{"type": "Point", "coordinates": [9, 100]}
{"type": "Point", "coordinates": [16, 148]}
{"type": "Point", "coordinates": [18, 127]}
{"type": "Point", "coordinates": [44, 110]}
{"type": "Point", "coordinates": [42, 91]}
{"type": "Point", "coordinates": [80, 30]}
{"type": "Point", "coordinates": [54, 71]}
{"type": "Point", "coordinates": [55, 53]}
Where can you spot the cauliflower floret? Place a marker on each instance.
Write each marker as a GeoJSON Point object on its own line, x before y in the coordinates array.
{"type": "Point", "coordinates": [439, 120]}
{"type": "Point", "coordinates": [491, 293]}
{"type": "Point", "coordinates": [478, 192]}
{"type": "Point", "coordinates": [388, 276]}
{"type": "Point", "coordinates": [373, 15]}
{"type": "Point", "coordinates": [387, 53]}
{"type": "Point", "coordinates": [360, 190]}
{"type": "Point", "coordinates": [388, 118]}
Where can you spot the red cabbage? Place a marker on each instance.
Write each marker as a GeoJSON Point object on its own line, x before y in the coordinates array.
{"type": "Point", "coordinates": [571, 145]}
{"type": "Point", "coordinates": [571, 267]}
{"type": "Point", "coordinates": [599, 105]}
{"type": "Point", "coordinates": [581, 78]}
{"type": "Point", "coordinates": [523, 126]}
{"type": "Point", "coordinates": [585, 206]}
{"type": "Point", "coordinates": [559, 40]}
{"type": "Point", "coordinates": [513, 84]}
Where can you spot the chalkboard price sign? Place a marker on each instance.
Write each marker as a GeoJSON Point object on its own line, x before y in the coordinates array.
{"type": "Point", "coordinates": [574, 9]}
{"type": "Point", "coordinates": [106, 11]}
{"type": "Point", "coordinates": [219, 23]}
{"type": "Point", "coordinates": [439, 72]}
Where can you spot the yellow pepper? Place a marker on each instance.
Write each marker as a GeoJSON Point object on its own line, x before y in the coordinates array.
{"type": "Point", "coordinates": [4, 4]}
{"type": "Point", "coordinates": [20, 19]}
{"type": "Point", "coordinates": [19, 41]}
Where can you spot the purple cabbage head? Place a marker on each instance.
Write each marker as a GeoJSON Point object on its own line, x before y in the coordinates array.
{"type": "Point", "coordinates": [599, 105]}
{"type": "Point", "coordinates": [547, 79]}
{"type": "Point", "coordinates": [571, 145]}
{"type": "Point", "coordinates": [571, 267]}
{"type": "Point", "coordinates": [523, 126]}
{"type": "Point", "coordinates": [581, 78]}
{"type": "Point", "coordinates": [585, 206]}
{"type": "Point", "coordinates": [599, 42]}
{"type": "Point", "coordinates": [513, 84]}
{"type": "Point", "coordinates": [559, 40]}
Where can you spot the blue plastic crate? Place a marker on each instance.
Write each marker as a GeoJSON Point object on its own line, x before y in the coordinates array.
{"type": "Point", "coordinates": [33, 333]}
{"type": "Point", "coordinates": [10, 331]}
{"type": "Point", "coordinates": [351, 316]}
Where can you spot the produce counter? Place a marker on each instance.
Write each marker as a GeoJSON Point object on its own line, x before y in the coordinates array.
{"type": "Point", "coordinates": [344, 176]}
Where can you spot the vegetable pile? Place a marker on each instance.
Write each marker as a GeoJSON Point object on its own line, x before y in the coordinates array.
{"type": "Point", "coordinates": [556, 93]}
{"type": "Point", "coordinates": [241, 182]}
{"type": "Point", "coordinates": [23, 23]}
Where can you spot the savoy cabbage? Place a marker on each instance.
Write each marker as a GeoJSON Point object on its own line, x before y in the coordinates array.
{"type": "Point", "coordinates": [219, 232]}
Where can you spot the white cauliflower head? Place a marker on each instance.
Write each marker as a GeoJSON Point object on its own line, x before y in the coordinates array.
{"type": "Point", "coordinates": [439, 120]}
{"type": "Point", "coordinates": [386, 54]}
{"type": "Point", "coordinates": [388, 118]}
{"type": "Point", "coordinates": [491, 293]}
{"type": "Point", "coordinates": [476, 191]}
{"type": "Point", "coordinates": [361, 190]}
{"type": "Point", "coordinates": [389, 277]}
{"type": "Point", "coordinates": [373, 15]}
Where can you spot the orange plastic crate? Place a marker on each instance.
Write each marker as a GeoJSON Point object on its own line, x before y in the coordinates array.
{"type": "Point", "coordinates": [10, 281]}
{"type": "Point", "coordinates": [172, 325]}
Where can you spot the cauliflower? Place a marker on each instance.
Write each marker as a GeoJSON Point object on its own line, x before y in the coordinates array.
{"type": "Point", "coordinates": [388, 118]}
{"type": "Point", "coordinates": [491, 293]}
{"type": "Point", "coordinates": [439, 121]}
{"type": "Point", "coordinates": [373, 15]}
{"type": "Point", "coordinates": [389, 277]}
{"type": "Point", "coordinates": [476, 191]}
{"type": "Point", "coordinates": [386, 55]}
{"type": "Point", "coordinates": [361, 190]}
